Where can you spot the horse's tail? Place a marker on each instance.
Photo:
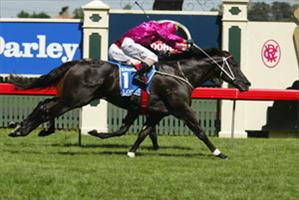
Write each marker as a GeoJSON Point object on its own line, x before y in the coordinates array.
{"type": "Point", "coordinates": [47, 80]}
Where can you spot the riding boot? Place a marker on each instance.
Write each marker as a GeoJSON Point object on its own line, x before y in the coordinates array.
{"type": "Point", "coordinates": [138, 78]}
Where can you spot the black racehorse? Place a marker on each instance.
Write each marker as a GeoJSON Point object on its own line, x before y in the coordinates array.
{"type": "Point", "coordinates": [83, 81]}
{"type": "Point", "coordinates": [129, 119]}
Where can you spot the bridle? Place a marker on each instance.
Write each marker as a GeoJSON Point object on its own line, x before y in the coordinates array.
{"type": "Point", "coordinates": [225, 63]}
{"type": "Point", "coordinates": [228, 72]}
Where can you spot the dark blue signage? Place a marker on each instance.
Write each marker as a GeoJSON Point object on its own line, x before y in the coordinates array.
{"type": "Point", "coordinates": [205, 30]}
{"type": "Point", "coordinates": [38, 47]}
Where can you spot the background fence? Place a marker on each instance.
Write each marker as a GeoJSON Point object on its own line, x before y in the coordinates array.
{"type": "Point", "coordinates": [14, 108]}
{"type": "Point", "coordinates": [207, 112]}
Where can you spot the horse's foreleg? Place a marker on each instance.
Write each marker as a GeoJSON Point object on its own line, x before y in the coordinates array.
{"type": "Point", "coordinates": [188, 115]}
{"type": "Point", "coordinates": [127, 122]}
{"type": "Point", "coordinates": [49, 130]}
{"type": "Point", "coordinates": [148, 128]}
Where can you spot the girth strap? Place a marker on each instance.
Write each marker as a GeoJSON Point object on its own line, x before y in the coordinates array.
{"type": "Point", "coordinates": [144, 94]}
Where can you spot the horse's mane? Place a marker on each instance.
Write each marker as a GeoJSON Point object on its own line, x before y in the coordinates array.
{"type": "Point", "coordinates": [191, 52]}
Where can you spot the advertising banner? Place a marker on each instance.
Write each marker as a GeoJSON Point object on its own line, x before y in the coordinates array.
{"type": "Point", "coordinates": [38, 47]}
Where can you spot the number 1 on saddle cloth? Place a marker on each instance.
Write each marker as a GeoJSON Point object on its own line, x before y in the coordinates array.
{"type": "Point", "coordinates": [127, 84]}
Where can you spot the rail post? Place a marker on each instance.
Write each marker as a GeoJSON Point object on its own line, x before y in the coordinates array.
{"type": "Point", "coordinates": [234, 27]}
{"type": "Point", "coordinates": [95, 46]}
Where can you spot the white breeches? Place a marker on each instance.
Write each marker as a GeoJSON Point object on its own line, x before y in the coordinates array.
{"type": "Point", "coordinates": [138, 52]}
{"type": "Point", "coordinates": [117, 54]}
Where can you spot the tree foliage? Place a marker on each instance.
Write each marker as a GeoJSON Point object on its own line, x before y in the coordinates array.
{"type": "Point", "coordinates": [127, 7]}
{"type": "Point", "coordinates": [24, 14]}
{"type": "Point", "coordinates": [78, 13]}
{"type": "Point", "coordinates": [282, 11]}
{"type": "Point", "coordinates": [168, 4]}
{"type": "Point", "coordinates": [277, 11]}
{"type": "Point", "coordinates": [259, 12]}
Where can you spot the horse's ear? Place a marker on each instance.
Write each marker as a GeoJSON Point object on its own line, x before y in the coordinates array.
{"type": "Point", "coordinates": [193, 49]}
{"type": "Point", "coordinates": [226, 54]}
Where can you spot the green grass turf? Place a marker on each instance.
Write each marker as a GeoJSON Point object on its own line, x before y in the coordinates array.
{"type": "Point", "coordinates": [56, 168]}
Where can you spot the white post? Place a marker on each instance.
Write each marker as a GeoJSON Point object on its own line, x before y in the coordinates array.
{"type": "Point", "coordinates": [234, 27]}
{"type": "Point", "coordinates": [95, 46]}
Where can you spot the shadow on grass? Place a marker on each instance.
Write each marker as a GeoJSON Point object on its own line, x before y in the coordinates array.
{"type": "Point", "coordinates": [119, 146]}
{"type": "Point", "coordinates": [77, 152]}
{"type": "Point", "coordinates": [22, 151]}
{"type": "Point", "coordinates": [141, 154]}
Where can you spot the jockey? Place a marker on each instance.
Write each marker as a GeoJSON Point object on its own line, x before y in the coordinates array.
{"type": "Point", "coordinates": [132, 47]}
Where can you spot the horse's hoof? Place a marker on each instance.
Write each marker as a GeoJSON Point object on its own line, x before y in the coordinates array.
{"type": "Point", "coordinates": [14, 134]}
{"type": "Point", "coordinates": [96, 134]}
{"type": "Point", "coordinates": [131, 154]}
{"type": "Point", "coordinates": [93, 133]}
{"type": "Point", "coordinates": [156, 148]}
{"type": "Point", "coordinates": [44, 133]}
{"type": "Point", "coordinates": [223, 156]}
{"type": "Point", "coordinates": [12, 124]}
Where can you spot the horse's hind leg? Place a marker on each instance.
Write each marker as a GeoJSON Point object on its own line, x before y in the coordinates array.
{"type": "Point", "coordinates": [127, 122]}
{"type": "Point", "coordinates": [49, 130]}
{"type": "Point", "coordinates": [44, 111]}
{"type": "Point", "coordinates": [149, 126]}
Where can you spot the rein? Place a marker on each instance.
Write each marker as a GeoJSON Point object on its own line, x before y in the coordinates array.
{"type": "Point", "coordinates": [176, 77]}
{"type": "Point", "coordinates": [229, 73]}
{"type": "Point", "coordinates": [182, 73]}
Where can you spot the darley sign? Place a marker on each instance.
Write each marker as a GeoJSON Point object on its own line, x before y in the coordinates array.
{"type": "Point", "coordinates": [36, 48]}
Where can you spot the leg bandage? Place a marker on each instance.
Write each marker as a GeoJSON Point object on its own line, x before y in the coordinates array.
{"type": "Point", "coordinates": [216, 152]}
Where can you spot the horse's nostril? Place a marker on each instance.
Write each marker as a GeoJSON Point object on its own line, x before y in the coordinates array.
{"type": "Point", "coordinates": [243, 89]}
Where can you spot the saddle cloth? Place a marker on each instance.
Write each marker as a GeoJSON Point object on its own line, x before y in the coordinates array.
{"type": "Point", "coordinates": [126, 76]}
